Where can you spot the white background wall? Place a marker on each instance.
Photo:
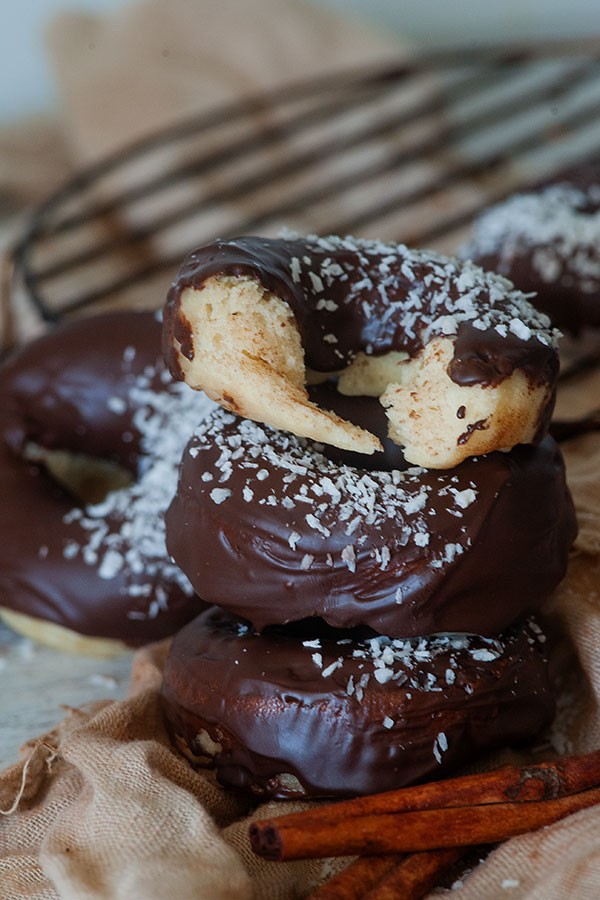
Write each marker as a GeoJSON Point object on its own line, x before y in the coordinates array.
{"type": "Point", "coordinates": [25, 78]}
{"type": "Point", "coordinates": [26, 82]}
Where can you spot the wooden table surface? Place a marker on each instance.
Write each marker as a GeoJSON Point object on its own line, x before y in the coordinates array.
{"type": "Point", "coordinates": [36, 681]}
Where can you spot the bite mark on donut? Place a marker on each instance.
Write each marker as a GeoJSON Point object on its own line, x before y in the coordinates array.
{"type": "Point", "coordinates": [422, 411]}
{"type": "Point", "coordinates": [248, 357]}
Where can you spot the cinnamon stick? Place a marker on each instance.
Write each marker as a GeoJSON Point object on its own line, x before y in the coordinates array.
{"type": "Point", "coordinates": [409, 832]}
{"type": "Point", "coordinates": [389, 877]}
{"type": "Point", "coordinates": [414, 877]}
{"type": "Point", "coordinates": [357, 879]}
{"type": "Point", "coordinates": [540, 781]}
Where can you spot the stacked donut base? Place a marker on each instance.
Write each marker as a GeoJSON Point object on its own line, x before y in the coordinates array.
{"type": "Point", "coordinates": [312, 677]}
{"type": "Point", "coordinates": [294, 713]}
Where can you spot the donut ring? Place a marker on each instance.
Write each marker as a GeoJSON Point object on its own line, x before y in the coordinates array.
{"type": "Point", "coordinates": [547, 240]}
{"type": "Point", "coordinates": [92, 576]}
{"type": "Point", "coordinates": [275, 530]}
{"type": "Point", "coordinates": [305, 714]}
{"type": "Point", "coordinates": [462, 363]}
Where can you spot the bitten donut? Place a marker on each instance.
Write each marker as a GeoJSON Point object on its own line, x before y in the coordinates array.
{"type": "Point", "coordinates": [547, 240]}
{"type": "Point", "coordinates": [306, 714]}
{"type": "Point", "coordinates": [275, 529]}
{"type": "Point", "coordinates": [461, 362]}
{"type": "Point", "coordinates": [91, 432]}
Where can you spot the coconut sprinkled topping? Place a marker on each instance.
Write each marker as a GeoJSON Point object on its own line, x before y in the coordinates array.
{"type": "Point", "coordinates": [410, 663]}
{"type": "Point", "coordinates": [561, 221]}
{"type": "Point", "coordinates": [407, 282]}
{"type": "Point", "coordinates": [440, 745]}
{"type": "Point", "coordinates": [136, 543]}
{"type": "Point", "coordinates": [321, 494]}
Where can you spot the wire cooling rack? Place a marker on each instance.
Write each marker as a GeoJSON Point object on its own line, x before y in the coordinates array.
{"type": "Point", "coordinates": [409, 151]}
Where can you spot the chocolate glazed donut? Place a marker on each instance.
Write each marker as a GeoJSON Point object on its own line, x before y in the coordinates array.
{"type": "Point", "coordinates": [97, 388]}
{"type": "Point", "coordinates": [306, 712]}
{"type": "Point", "coordinates": [356, 276]}
{"type": "Point", "coordinates": [276, 529]}
{"type": "Point", "coordinates": [463, 364]}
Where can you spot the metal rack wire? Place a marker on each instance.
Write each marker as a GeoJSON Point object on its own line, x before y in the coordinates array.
{"type": "Point", "coordinates": [410, 151]}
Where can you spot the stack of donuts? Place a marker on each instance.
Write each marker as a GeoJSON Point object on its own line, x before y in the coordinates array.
{"type": "Point", "coordinates": [374, 511]}
{"type": "Point", "coordinates": [367, 517]}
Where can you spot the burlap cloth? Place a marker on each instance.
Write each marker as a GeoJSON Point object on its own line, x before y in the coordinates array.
{"type": "Point", "coordinates": [102, 806]}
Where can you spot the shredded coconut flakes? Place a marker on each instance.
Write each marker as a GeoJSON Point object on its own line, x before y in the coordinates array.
{"type": "Point", "coordinates": [164, 419]}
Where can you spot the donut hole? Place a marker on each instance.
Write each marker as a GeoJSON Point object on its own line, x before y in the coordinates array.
{"type": "Point", "coordinates": [86, 478]}
{"type": "Point", "coordinates": [370, 375]}
{"type": "Point", "coordinates": [368, 413]}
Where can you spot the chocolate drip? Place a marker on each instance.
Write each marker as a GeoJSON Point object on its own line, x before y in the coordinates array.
{"type": "Point", "coordinates": [485, 357]}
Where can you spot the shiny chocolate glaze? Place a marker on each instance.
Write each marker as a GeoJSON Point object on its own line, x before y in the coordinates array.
{"type": "Point", "coordinates": [546, 239]}
{"type": "Point", "coordinates": [314, 712]}
{"type": "Point", "coordinates": [349, 295]}
{"type": "Point", "coordinates": [267, 526]}
{"type": "Point", "coordinates": [98, 387]}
